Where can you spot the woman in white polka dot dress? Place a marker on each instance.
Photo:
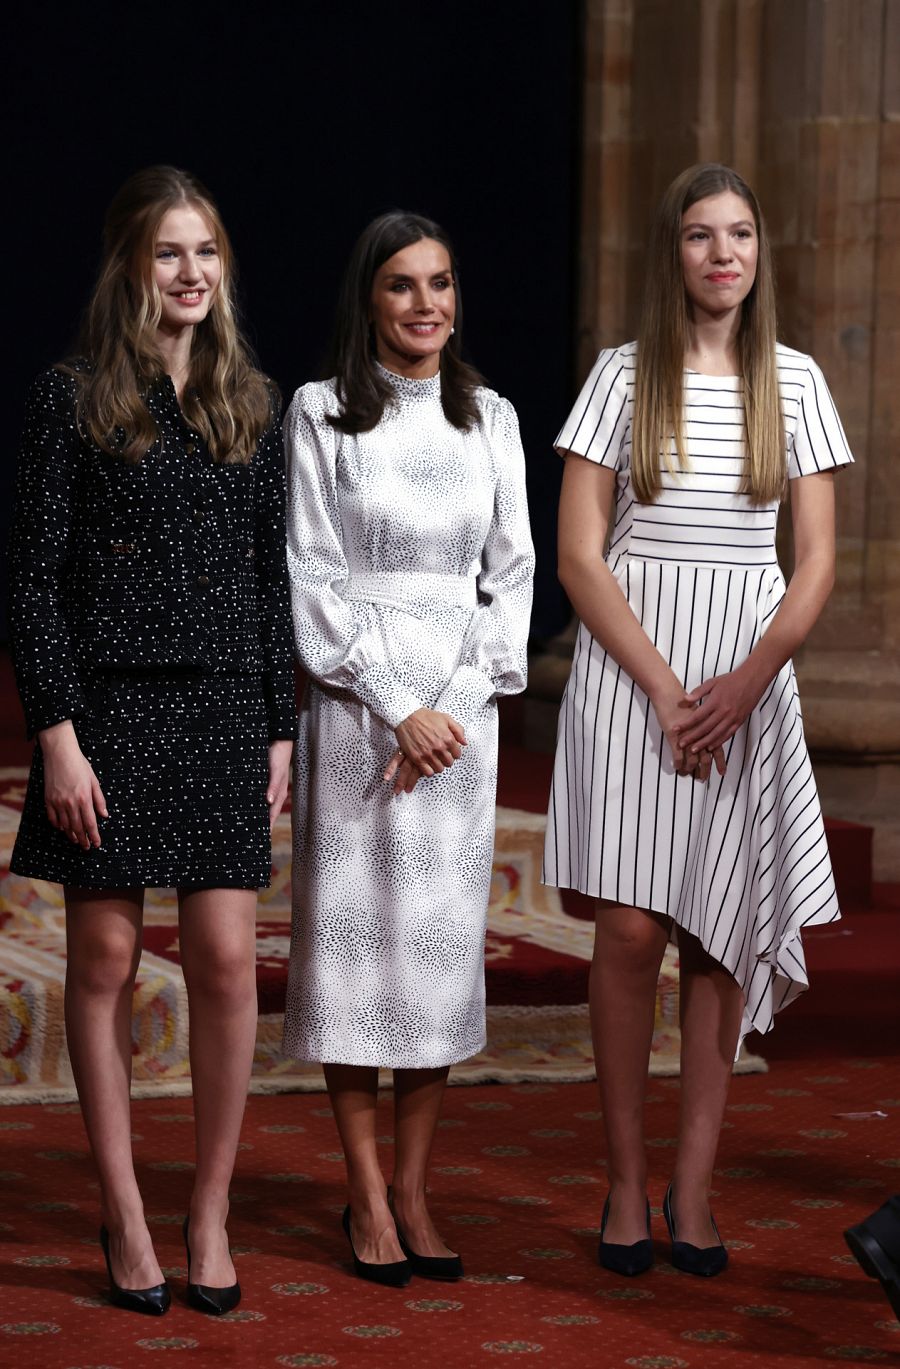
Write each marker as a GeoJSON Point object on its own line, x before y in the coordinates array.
{"type": "Point", "coordinates": [410, 564]}
{"type": "Point", "coordinates": [683, 797]}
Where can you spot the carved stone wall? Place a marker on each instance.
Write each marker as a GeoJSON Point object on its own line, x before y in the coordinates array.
{"type": "Point", "coordinates": [803, 98]}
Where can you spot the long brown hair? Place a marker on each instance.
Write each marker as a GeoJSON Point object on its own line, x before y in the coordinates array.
{"type": "Point", "coordinates": [226, 398]}
{"type": "Point", "coordinates": [361, 389]}
{"type": "Point", "coordinates": [662, 342]}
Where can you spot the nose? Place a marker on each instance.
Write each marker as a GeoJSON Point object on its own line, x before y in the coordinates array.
{"type": "Point", "coordinates": [422, 301]}
{"type": "Point", "coordinates": [190, 268]}
{"type": "Point", "coordinates": [721, 247]}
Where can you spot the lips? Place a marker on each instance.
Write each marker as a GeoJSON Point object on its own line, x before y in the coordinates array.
{"type": "Point", "coordinates": [188, 296]}
{"type": "Point", "coordinates": [722, 277]}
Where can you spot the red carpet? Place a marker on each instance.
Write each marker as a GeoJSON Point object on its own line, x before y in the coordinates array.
{"type": "Point", "coordinates": [518, 1187]}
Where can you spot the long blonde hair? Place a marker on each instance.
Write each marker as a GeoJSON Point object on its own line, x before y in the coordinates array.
{"type": "Point", "coordinates": [226, 398]}
{"type": "Point", "coordinates": [662, 343]}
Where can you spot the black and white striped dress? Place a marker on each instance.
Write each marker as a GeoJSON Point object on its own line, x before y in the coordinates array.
{"type": "Point", "coordinates": [742, 861]}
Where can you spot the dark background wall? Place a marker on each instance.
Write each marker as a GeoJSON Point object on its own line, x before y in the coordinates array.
{"type": "Point", "coordinates": [306, 120]}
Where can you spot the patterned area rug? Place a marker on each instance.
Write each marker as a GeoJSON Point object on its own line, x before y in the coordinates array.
{"type": "Point", "coordinates": [517, 1187]}
{"type": "Point", "coordinates": [537, 956]}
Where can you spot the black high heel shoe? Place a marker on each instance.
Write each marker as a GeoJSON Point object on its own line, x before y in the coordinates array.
{"type": "Point", "coordinates": [153, 1302]}
{"type": "Point", "coordinates": [215, 1302]}
{"type": "Point", "coordinates": [707, 1260]}
{"type": "Point", "coordinates": [629, 1260]}
{"type": "Point", "coordinates": [445, 1268]}
{"type": "Point", "coordinates": [394, 1275]}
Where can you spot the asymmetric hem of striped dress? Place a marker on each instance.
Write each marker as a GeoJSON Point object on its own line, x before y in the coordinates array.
{"type": "Point", "coordinates": [779, 975]}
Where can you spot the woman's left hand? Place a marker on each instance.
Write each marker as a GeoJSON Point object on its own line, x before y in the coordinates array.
{"type": "Point", "coordinates": [721, 705]}
{"type": "Point", "coordinates": [280, 753]}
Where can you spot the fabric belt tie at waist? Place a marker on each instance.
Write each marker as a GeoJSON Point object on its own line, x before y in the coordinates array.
{"type": "Point", "coordinates": [409, 591]}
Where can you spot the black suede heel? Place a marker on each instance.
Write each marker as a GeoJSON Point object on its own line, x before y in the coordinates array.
{"type": "Point", "coordinates": [705, 1261]}
{"type": "Point", "coordinates": [629, 1260]}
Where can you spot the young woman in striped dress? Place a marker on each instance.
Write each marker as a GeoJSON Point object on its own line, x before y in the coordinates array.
{"type": "Point", "coordinates": [683, 797]}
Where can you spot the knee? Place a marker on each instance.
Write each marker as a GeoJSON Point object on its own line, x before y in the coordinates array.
{"type": "Point", "coordinates": [225, 974]}
{"type": "Point", "coordinates": [630, 939]}
{"type": "Point", "coordinates": [105, 962]}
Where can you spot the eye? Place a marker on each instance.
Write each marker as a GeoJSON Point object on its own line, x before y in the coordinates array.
{"type": "Point", "coordinates": [399, 286]}
{"type": "Point", "coordinates": [696, 234]}
{"type": "Point", "coordinates": [164, 253]}
{"type": "Point", "coordinates": [745, 233]}
{"type": "Point", "coordinates": [207, 251]}
{"type": "Point", "coordinates": [442, 283]}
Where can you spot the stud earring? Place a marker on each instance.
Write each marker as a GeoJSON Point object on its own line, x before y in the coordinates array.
{"type": "Point", "coordinates": [452, 331]}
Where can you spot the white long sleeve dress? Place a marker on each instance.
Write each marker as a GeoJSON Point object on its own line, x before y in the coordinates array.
{"type": "Point", "coordinates": [410, 564]}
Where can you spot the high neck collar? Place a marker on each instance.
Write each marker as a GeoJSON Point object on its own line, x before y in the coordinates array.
{"type": "Point", "coordinates": [410, 387]}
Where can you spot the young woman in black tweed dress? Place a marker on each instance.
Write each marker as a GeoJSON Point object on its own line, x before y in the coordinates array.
{"type": "Point", "coordinates": [151, 640]}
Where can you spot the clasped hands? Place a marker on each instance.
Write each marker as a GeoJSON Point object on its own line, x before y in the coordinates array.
{"type": "Point", "coordinates": [428, 743]}
{"type": "Point", "coordinates": [698, 723]}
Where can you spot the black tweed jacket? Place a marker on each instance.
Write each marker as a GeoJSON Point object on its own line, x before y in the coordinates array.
{"type": "Point", "coordinates": [175, 562]}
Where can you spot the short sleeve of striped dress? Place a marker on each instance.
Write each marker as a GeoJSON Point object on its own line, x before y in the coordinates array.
{"type": "Point", "coordinates": [816, 440]}
{"type": "Point", "coordinates": [598, 424]}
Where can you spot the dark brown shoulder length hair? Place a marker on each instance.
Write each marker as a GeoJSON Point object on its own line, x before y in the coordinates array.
{"type": "Point", "coordinates": [361, 388]}
{"type": "Point", "coordinates": [226, 398]}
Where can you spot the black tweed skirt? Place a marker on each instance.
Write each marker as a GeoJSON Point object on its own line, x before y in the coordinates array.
{"type": "Point", "coordinates": [182, 759]}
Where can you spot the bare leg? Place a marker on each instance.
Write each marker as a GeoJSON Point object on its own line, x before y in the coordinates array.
{"type": "Point", "coordinates": [353, 1090]}
{"type": "Point", "coordinates": [217, 930]}
{"type": "Point", "coordinates": [711, 1008]}
{"type": "Point", "coordinates": [628, 950]}
{"type": "Point", "coordinates": [417, 1105]}
{"type": "Point", "coordinates": [103, 949]}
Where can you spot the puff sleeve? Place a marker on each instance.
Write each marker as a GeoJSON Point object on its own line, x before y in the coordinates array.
{"type": "Point", "coordinates": [493, 659]}
{"type": "Point", "coordinates": [327, 640]}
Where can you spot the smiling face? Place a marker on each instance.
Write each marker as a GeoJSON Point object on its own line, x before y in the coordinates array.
{"type": "Point", "coordinates": [412, 308]}
{"type": "Point", "coordinates": [719, 250]}
{"type": "Point", "coordinates": [186, 267]}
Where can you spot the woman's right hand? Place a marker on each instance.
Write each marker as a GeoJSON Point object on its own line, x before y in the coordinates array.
{"type": "Point", "coordinates": [431, 741]}
{"type": "Point", "coordinates": [72, 793]}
